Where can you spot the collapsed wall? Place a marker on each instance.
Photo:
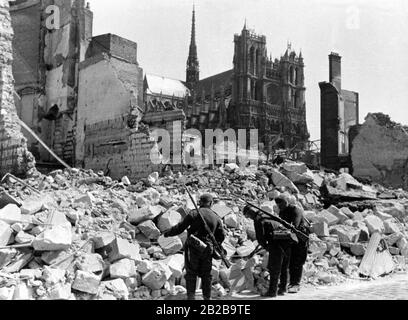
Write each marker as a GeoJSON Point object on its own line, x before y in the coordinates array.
{"type": "Point", "coordinates": [380, 152]}
{"type": "Point", "coordinates": [14, 156]}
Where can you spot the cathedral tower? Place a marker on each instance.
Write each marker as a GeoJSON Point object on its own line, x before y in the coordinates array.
{"type": "Point", "coordinates": [249, 66]}
{"type": "Point", "coordinates": [193, 66]}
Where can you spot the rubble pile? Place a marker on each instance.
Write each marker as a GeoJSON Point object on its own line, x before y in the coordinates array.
{"type": "Point", "coordinates": [79, 235]}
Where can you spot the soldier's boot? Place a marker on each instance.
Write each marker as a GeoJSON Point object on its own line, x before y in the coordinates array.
{"type": "Point", "coordinates": [207, 286]}
{"type": "Point", "coordinates": [273, 288]}
{"type": "Point", "coordinates": [191, 286]}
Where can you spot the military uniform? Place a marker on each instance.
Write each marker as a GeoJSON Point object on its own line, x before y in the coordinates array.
{"type": "Point", "coordinates": [279, 253]}
{"type": "Point", "coordinates": [199, 264]}
{"type": "Point", "coordinates": [294, 215]}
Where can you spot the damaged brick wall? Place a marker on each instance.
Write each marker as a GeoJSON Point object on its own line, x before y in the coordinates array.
{"type": "Point", "coordinates": [14, 156]}
{"type": "Point", "coordinates": [111, 147]}
{"type": "Point", "coordinates": [380, 152]}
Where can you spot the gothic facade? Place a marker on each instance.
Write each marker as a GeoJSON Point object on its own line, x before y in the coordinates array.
{"type": "Point", "coordinates": [258, 93]}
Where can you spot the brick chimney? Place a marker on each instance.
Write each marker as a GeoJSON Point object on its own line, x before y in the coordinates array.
{"type": "Point", "coordinates": [335, 70]}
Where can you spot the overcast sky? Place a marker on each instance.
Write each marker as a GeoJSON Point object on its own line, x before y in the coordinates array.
{"type": "Point", "coordinates": [370, 35]}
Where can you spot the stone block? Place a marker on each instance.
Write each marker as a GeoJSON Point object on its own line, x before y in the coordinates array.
{"type": "Point", "coordinates": [383, 216]}
{"type": "Point", "coordinates": [231, 250]}
{"type": "Point", "coordinates": [60, 292]}
{"type": "Point", "coordinates": [231, 167]}
{"type": "Point", "coordinates": [311, 216]}
{"type": "Point", "coordinates": [393, 238]}
{"type": "Point", "coordinates": [168, 220]}
{"type": "Point", "coordinates": [153, 178]}
{"type": "Point", "coordinates": [6, 256]}
{"type": "Point", "coordinates": [117, 288]}
{"type": "Point", "coordinates": [17, 227]}
{"type": "Point", "coordinates": [269, 206]}
{"type": "Point", "coordinates": [155, 279]}
{"type": "Point", "coordinates": [31, 273]}
{"type": "Point", "coordinates": [337, 212]}
{"type": "Point", "coordinates": [142, 202]}
{"type": "Point", "coordinates": [10, 214]}
{"type": "Point", "coordinates": [358, 216]}
{"type": "Point", "coordinates": [54, 257]}
{"type": "Point", "coordinates": [358, 249]}
{"type": "Point", "coordinates": [53, 276]}
{"type": "Point", "coordinates": [143, 241]}
{"type": "Point", "coordinates": [23, 237]}
{"type": "Point", "coordinates": [321, 229]}
{"type": "Point", "coordinates": [125, 180]}
{"type": "Point", "coordinates": [374, 224]}
{"type": "Point", "coordinates": [221, 210]}
{"type": "Point", "coordinates": [90, 263]}
{"type": "Point", "coordinates": [87, 199]}
{"type": "Point", "coordinates": [145, 266]}
{"type": "Point", "coordinates": [120, 249]}
{"type": "Point", "coordinates": [246, 249]}
{"type": "Point", "coordinates": [152, 195]}
{"type": "Point", "coordinates": [86, 282]}
{"type": "Point", "coordinates": [7, 293]}
{"type": "Point", "coordinates": [317, 248]}
{"type": "Point", "coordinates": [150, 230]}
{"type": "Point", "coordinates": [123, 269]}
{"type": "Point", "coordinates": [5, 234]}
{"type": "Point", "coordinates": [347, 212]}
{"type": "Point", "coordinates": [55, 238]}
{"type": "Point", "coordinates": [176, 264]}
{"type": "Point", "coordinates": [327, 217]}
{"type": "Point", "coordinates": [390, 227]}
{"type": "Point", "coordinates": [394, 251]}
{"type": "Point", "coordinates": [231, 221]}
{"type": "Point", "coordinates": [279, 180]}
{"type": "Point", "coordinates": [23, 293]}
{"type": "Point", "coordinates": [6, 199]}
{"type": "Point", "coordinates": [103, 239]}
{"type": "Point", "coordinates": [170, 245]}
{"type": "Point", "coordinates": [32, 205]}
{"type": "Point", "coordinates": [402, 244]}
{"type": "Point", "coordinates": [346, 234]}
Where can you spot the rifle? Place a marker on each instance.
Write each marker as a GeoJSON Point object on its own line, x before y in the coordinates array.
{"type": "Point", "coordinates": [207, 228]}
{"type": "Point", "coordinates": [302, 236]}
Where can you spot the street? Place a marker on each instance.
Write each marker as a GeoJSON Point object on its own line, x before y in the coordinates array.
{"type": "Point", "coordinates": [390, 288]}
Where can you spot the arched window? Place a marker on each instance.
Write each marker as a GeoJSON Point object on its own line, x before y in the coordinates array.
{"type": "Point", "coordinates": [256, 62]}
{"type": "Point", "coordinates": [292, 75]}
{"type": "Point", "coordinates": [297, 76]}
{"type": "Point", "coordinates": [252, 60]}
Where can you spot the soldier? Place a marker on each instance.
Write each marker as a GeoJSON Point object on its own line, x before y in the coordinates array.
{"type": "Point", "coordinates": [294, 214]}
{"type": "Point", "coordinates": [278, 241]}
{"type": "Point", "coordinates": [199, 249]}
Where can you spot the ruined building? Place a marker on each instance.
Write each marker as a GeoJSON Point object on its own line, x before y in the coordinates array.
{"type": "Point", "coordinates": [339, 112]}
{"type": "Point", "coordinates": [14, 156]}
{"type": "Point", "coordinates": [82, 94]}
{"type": "Point", "coordinates": [379, 151]}
{"type": "Point", "coordinates": [87, 98]}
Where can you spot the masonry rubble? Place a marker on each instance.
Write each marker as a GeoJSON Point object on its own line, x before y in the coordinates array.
{"type": "Point", "coordinates": [85, 236]}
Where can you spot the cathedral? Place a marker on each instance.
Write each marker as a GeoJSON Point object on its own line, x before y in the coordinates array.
{"type": "Point", "coordinates": [258, 93]}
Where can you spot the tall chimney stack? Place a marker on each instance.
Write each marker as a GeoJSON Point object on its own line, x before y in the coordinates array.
{"type": "Point", "coordinates": [335, 70]}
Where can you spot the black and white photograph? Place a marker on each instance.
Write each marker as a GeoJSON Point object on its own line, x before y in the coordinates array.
{"type": "Point", "coordinates": [229, 152]}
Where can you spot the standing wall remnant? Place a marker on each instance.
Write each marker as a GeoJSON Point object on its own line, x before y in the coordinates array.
{"type": "Point", "coordinates": [14, 156]}
{"type": "Point", "coordinates": [380, 151]}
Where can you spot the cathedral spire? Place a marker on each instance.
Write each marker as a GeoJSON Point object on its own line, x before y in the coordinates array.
{"type": "Point", "coordinates": [193, 66]}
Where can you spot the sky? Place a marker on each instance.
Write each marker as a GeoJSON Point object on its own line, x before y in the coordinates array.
{"type": "Point", "coordinates": [370, 35]}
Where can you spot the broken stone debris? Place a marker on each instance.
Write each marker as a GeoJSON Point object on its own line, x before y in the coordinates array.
{"type": "Point", "coordinates": [85, 231]}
